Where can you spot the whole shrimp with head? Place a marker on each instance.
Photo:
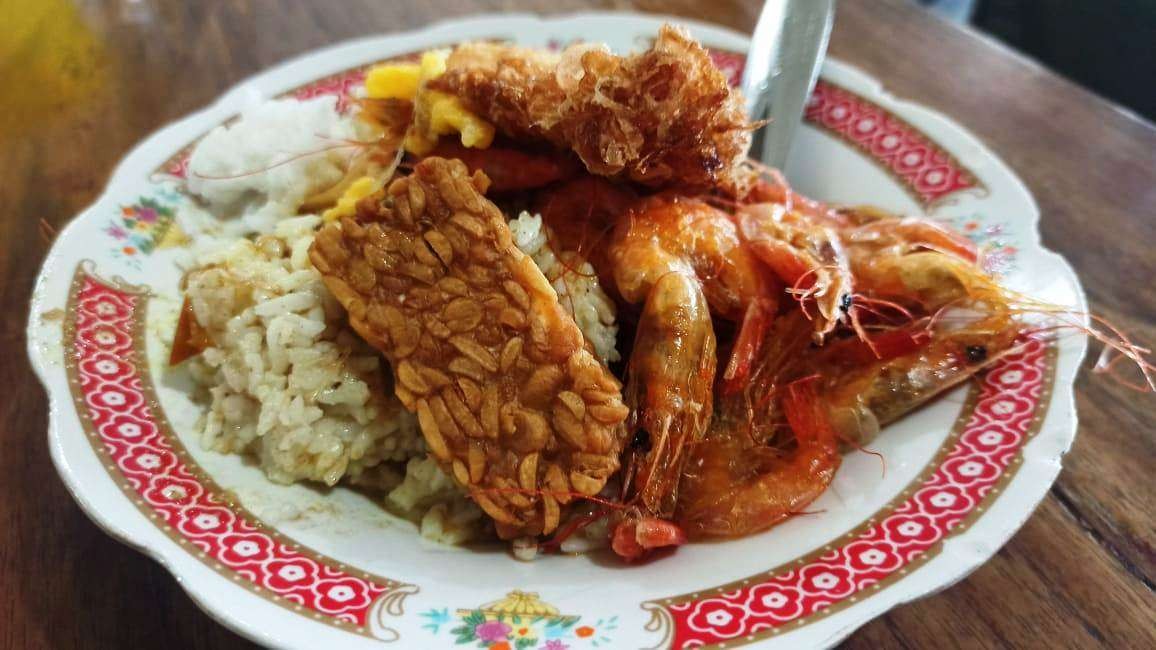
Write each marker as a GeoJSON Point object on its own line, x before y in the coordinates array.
{"type": "Point", "coordinates": [684, 261]}
{"type": "Point", "coordinates": [923, 319]}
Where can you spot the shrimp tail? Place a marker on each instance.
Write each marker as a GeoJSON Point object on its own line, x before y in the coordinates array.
{"type": "Point", "coordinates": [634, 537]}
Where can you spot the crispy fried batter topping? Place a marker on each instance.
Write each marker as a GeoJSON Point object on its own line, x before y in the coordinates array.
{"type": "Point", "coordinates": [510, 401]}
{"type": "Point", "coordinates": [665, 116]}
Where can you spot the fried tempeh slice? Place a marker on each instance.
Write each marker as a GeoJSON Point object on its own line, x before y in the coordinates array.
{"type": "Point", "coordinates": [509, 399]}
{"type": "Point", "coordinates": [663, 117]}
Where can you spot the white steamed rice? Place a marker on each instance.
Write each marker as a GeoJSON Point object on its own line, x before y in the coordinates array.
{"type": "Point", "coordinates": [575, 282]}
{"type": "Point", "coordinates": [264, 166]}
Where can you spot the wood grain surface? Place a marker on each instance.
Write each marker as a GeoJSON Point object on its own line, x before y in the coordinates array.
{"type": "Point", "coordinates": [98, 76]}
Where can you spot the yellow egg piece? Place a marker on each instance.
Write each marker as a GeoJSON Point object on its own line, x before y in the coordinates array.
{"type": "Point", "coordinates": [419, 143]}
{"type": "Point", "coordinates": [447, 115]}
{"type": "Point", "coordinates": [346, 206]}
{"type": "Point", "coordinates": [393, 81]}
{"type": "Point", "coordinates": [437, 113]}
{"type": "Point", "coordinates": [433, 64]}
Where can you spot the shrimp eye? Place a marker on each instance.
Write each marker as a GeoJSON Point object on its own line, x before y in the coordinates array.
{"type": "Point", "coordinates": [845, 302]}
{"type": "Point", "coordinates": [976, 353]}
{"type": "Point", "coordinates": [640, 441]}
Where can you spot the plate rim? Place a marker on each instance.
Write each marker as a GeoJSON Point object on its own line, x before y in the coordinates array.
{"type": "Point", "coordinates": [138, 536]}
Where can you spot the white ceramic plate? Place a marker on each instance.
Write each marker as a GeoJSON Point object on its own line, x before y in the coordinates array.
{"type": "Point", "coordinates": [295, 567]}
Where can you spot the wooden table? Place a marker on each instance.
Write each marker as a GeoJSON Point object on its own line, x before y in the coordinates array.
{"type": "Point", "coordinates": [1080, 573]}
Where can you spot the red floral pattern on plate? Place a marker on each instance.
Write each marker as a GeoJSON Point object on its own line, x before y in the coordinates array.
{"type": "Point", "coordinates": [341, 84]}
{"type": "Point", "coordinates": [924, 168]}
{"type": "Point", "coordinates": [178, 165]}
{"type": "Point", "coordinates": [1010, 394]}
{"type": "Point", "coordinates": [112, 399]}
{"type": "Point", "coordinates": [730, 63]}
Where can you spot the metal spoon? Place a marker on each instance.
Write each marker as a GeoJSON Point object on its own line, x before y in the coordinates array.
{"type": "Point", "coordinates": [786, 52]}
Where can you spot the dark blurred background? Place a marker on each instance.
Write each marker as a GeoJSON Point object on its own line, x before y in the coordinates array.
{"type": "Point", "coordinates": [1107, 46]}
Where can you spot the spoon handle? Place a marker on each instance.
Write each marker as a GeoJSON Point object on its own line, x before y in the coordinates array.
{"type": "Point", "coordinates": [786, 53]}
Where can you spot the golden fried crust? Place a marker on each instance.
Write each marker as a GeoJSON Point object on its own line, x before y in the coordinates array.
{"type": "Point", "coordinates": [511, 403]}
{"type": "Point", "coordinates": [663, 117]}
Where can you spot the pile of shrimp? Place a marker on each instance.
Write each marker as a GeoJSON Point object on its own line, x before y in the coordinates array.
{"type": "Point", "coordinates": [766, 332]}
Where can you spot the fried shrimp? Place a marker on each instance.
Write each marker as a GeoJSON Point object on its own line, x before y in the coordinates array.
{"type": "Point", "coordinates": [510, 401]}
{"type": "Point", "coordinates": [668, 389]}
{"type": "Point", "coordinates": [667, 233]}
{"type": "Point", "coordinates": [663, 117]}
{"type": "Point", "coordinates": [685, 261]}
